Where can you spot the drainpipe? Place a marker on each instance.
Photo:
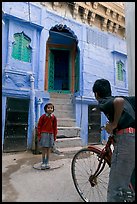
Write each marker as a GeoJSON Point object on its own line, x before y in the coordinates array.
{"type": "Point", "coordinates": [39, 102]}
{"type": "Point", "coordinates": [32, 111]}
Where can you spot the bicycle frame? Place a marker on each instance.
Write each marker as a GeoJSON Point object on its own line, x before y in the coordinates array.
{"type": "Point", "coordinates": [106, 153]}
{"type": "Point", "coordinates": [90, 170]}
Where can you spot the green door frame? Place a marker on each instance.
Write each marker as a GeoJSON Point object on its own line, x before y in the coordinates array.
{"type": "Point", "coordinates": [73, 67]}
{"type": "Point", "coordinates": [51, 71]}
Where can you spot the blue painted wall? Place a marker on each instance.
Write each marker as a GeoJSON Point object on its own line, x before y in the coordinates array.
{"type": "Point", "coordinates": [98, 60]}
{"type": "Point", "coordinates": [99, 52]}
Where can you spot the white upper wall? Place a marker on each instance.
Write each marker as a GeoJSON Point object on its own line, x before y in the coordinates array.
{"type": "Point", "coordinates": [130, 37]}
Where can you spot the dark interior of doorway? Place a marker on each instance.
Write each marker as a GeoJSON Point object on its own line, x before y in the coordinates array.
{"type": "Point", "coordinates": [94, 123]}
{"type": "Point", "coordinates": [61, 69]}
{"type": "Point", "coordinates": [16, 125]}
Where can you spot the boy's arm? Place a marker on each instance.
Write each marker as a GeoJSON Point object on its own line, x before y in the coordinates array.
{"type": "Point", "coordinates": [118, 109]}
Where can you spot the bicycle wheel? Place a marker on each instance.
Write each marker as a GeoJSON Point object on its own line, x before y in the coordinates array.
{"type": "Point", "coordinates": [84, 164]}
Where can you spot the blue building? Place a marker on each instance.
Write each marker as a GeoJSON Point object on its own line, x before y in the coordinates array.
{"type": "Point", "coordinates": [45, 52]}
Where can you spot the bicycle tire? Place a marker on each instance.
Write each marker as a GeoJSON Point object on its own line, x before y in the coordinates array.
{"type": "Point", "coordinates": [85, 163]}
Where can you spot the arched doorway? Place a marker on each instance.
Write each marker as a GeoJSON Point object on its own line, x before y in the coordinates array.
{"type": "Point", "coordinates": [62, 61]}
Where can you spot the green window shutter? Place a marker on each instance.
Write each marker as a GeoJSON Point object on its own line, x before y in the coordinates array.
{"type": "Point", "coordinates": [26, 50]}
{"type": "Point", "coordinates": [16, 47]}
{"type": "Point", "coordinates": [21, 49]}
{"type": "Point", "coordinates": [120, 71]}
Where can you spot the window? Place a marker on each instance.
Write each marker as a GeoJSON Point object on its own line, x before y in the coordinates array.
{"type": "Point", "coordinates": [120, 70]}
{"type": "Point", "coordinates": [21, 49]}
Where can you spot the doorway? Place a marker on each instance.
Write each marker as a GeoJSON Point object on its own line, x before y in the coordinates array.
{"type": "Point", "coordinates": [59, 72]}
{"type": "Point", "coordinates": [16, 125]}
{"type": "Point", "coordinates": [62, 60]}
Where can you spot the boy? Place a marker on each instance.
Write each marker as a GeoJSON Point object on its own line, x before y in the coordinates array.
{"type": "Point", "coordinates": [120, 112]}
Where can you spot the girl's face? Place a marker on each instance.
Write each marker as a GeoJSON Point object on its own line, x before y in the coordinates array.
{"type": "Point", "coordinates": [49, 109]}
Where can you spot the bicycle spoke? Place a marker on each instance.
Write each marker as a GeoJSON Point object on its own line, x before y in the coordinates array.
{"type": "Point", "coordinates": [84, 165]}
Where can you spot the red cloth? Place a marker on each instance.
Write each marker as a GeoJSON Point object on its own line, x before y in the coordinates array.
{"type": "Point", "coordinates": [47, 124]}
{"type": "Point", "coordinates": [126, 130]}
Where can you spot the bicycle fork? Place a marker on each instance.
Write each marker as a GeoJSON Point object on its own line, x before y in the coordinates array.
{"type": "Point", "coordinates": [93, 178]}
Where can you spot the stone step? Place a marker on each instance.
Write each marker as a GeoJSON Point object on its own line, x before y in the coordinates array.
{"type": "Point", "coordinates": [63, 107]}
{"type": "Point", "coordinates": [66, 132]}
{"type": "Point", "coordinates": [66, 122]}
{"type": "Point", "coordinates": [69, 149]}
{"type": "Point", "coordinates": [68, 142]}
{"type": "Point", "coordinates": [59, 100]}
{"type": "Point", "coordinates": [64, 114]}
{"type": "Point", "coordinates": [60, 95]}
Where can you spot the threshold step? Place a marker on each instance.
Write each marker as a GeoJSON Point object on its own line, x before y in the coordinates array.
{"type": "Point", "coordinates": [69, 149]}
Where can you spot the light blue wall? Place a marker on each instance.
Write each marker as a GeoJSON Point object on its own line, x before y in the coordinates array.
{"type": "Point", "coordinates": [99, 52]}
{"type": "Point", "coordinates": [99, 61]}
{"type": "Point", "coordinates": [16, 75]}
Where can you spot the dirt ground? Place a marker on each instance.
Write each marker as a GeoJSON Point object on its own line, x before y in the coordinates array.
{"type": "Point", "coordinates": [20, 181]}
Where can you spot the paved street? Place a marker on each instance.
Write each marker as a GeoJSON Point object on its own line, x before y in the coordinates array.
{"type": "Point", "coordinates": [23, 182]}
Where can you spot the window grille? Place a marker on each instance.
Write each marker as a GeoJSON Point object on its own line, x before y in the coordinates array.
{"type": "Point", "coordinates": [120, 71]}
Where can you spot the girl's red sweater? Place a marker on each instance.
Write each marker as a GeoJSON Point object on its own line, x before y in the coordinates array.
{"type": "Point", "coordinates": [47, 124]}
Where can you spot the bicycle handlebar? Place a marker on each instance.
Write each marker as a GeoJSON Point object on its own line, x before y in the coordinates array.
{"type": "Point", "coordinates": [103, 127]}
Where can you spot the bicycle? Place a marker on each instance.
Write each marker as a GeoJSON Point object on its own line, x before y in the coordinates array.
{"type": "Point", "coordinates": [90, 173]}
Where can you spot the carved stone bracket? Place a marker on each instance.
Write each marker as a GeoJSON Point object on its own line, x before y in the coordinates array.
{"type": "Point", "coordinates": [92, 18]}
{"type": "Point", "coordinates": [114, 14]}
{"type": "Point", "coordinates": [43, 3]}
{"type": "Point", "coordinates": [88, 3]}
{"type": "Point", "coordinates": [85, 15]}
{"type": "Point", "coordinates": [95, 5]}
{"type": "Point", "coordinates": [93, 12]}
{"type": "Point", "coordinates": [116, 27]}
{"type": "Point", "coordinates": [107, 11]}
{"type": "Point", "coordinates": [104, 24]}
{"type": "Point", "coordinates": [119, 17]}
{"type": "Point", "coordinates": [55, 5]}
{"type": "Point", "coordinates": [75, 10]}
{"type": "Point", "coordinates": [110, 27]}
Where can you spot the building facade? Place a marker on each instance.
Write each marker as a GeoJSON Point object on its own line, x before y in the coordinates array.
{"type": "Point", "coordinates": [62, 48]}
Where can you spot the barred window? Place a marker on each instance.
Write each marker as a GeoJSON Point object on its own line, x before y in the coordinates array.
{"type": "Point", "coordinates": [21, 49]}
{"type": "Point", "coordinates": [96, 38]}
{"type": "Point", "coordinates": [120, 70]}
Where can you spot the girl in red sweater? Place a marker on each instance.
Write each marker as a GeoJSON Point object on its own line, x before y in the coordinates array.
{"type": "Point", "coordinates": [47, 132]}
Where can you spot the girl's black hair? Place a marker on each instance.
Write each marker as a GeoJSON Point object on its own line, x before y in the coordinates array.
{"type": "Point", "coordinates": [45, 107]}
{"type": "Point", "coordinates": [102, 88]}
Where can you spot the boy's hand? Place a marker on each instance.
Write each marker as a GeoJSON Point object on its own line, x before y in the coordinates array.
{"type": "Point", "coordinates": [110, 127]}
